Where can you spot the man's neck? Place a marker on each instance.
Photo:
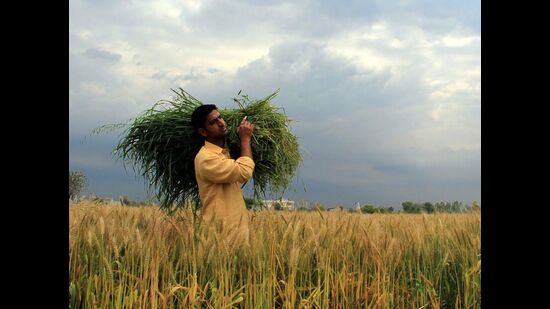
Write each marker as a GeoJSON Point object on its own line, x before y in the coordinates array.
{"type": "Point", "coordinates": [220, 142]}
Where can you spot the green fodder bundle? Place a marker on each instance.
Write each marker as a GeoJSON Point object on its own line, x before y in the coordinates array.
{"type": "Point", "coordinates": [161, 145]}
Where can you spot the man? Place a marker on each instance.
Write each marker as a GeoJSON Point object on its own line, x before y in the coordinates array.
{"type": "Point", "coordinates": [218, 176]}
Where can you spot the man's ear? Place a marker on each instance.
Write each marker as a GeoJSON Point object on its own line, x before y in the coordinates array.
{"type": "Point", "coordinates": [202, 132]}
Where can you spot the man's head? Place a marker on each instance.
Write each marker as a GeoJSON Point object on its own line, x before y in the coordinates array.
{"type": "Point", "coordinates": [208, 122]}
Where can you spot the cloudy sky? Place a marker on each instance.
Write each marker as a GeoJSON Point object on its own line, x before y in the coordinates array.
{"type": "Point", "coordinates": [386, 94]}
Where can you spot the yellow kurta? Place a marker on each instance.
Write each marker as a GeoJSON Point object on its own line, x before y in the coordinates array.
{"type": "Point", "coordinates": [219, 179]}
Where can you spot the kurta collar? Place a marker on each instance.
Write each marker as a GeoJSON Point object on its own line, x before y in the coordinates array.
{"type": "Point", "coordinates": [213, 147]}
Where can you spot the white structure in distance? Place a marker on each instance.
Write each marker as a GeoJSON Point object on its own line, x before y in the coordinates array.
{"type": "Point", "coordinates": [285, 204]}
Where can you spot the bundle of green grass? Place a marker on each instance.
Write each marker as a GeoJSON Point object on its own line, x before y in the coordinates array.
{"type": "Point", "coordinates": [161, 145]}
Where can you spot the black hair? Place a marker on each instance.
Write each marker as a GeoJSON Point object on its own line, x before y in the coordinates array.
{"type": "Point", "coordinates": [198, 118]}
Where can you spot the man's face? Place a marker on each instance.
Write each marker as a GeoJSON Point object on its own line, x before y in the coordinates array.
{"type": "Point", "coordinates": [214, 126]}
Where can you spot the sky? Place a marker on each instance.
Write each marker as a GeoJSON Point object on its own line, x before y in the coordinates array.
{"type": "Point", "coordinates": [385, 95]}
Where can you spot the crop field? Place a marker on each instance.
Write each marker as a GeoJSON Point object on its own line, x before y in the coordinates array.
{"type": "Point", "coordinates": [138, 257]}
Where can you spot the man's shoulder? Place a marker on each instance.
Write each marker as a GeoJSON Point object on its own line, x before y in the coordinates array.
{"type": "Point", "coordinates": [201, 153]}
{"type": "Point", "coordinates": [205, 153]}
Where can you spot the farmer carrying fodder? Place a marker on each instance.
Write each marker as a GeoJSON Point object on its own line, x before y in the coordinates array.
{"type": "Point", "coordinates": [162, 144]}
{"type": "Point", "coordinates": [219, 177]}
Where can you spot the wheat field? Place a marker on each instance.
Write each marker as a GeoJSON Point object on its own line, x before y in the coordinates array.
{"type": "Point", "coordinates": [137, 257]}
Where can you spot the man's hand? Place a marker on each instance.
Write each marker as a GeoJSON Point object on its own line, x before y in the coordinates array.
{"type": "Point", "coordinates": [245, 130]}
{"type": "Point", "coordinates": [245, 134]}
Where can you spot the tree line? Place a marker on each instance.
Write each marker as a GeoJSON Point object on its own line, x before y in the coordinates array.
{"type": "Point", "coordinates": [78, 181]}
{"type": "Point", "coordinates": [408, 207]}
{"type": "Point", "coordinates": [439, 207]}
{"type": "Point", "coordinates": [425, 207]}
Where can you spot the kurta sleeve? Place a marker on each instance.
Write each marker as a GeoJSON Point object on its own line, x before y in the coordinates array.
{"type": "Point", "coordinates": [218, 169]}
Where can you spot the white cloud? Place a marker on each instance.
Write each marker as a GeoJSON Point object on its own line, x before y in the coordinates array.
{"type": "Point", "coordinates": [459, 41]}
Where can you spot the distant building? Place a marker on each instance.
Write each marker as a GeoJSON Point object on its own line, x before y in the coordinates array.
{"type": "Point", "coordinates": [92, 197]}
{"type": "Point", "coordinates": [285, 204]}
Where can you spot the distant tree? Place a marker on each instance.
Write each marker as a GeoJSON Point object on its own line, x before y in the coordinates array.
{"type": "Point", "coordinates": [390, 209]}
{"type": "Point", "coordinates": [443, 207]}
{"type": "Point", "coordinates": [320, 206]}
{"type": "Point", "coordinates": [407, 206]}
{"type": "Point", "coordinates": [410, 207]}
{"type": "Point", "coordinates": [369, 209]}
{"type": "Point", "coordinates": [77, 183]}
{"type": "Point", "coordinates": [252, 203]}
{"type": "Point", "coordinates": [428, 207]}
{"type": "Point", "coordinates": [475, 206]}
{"type": "Point", "coordinates": [456, 206]}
